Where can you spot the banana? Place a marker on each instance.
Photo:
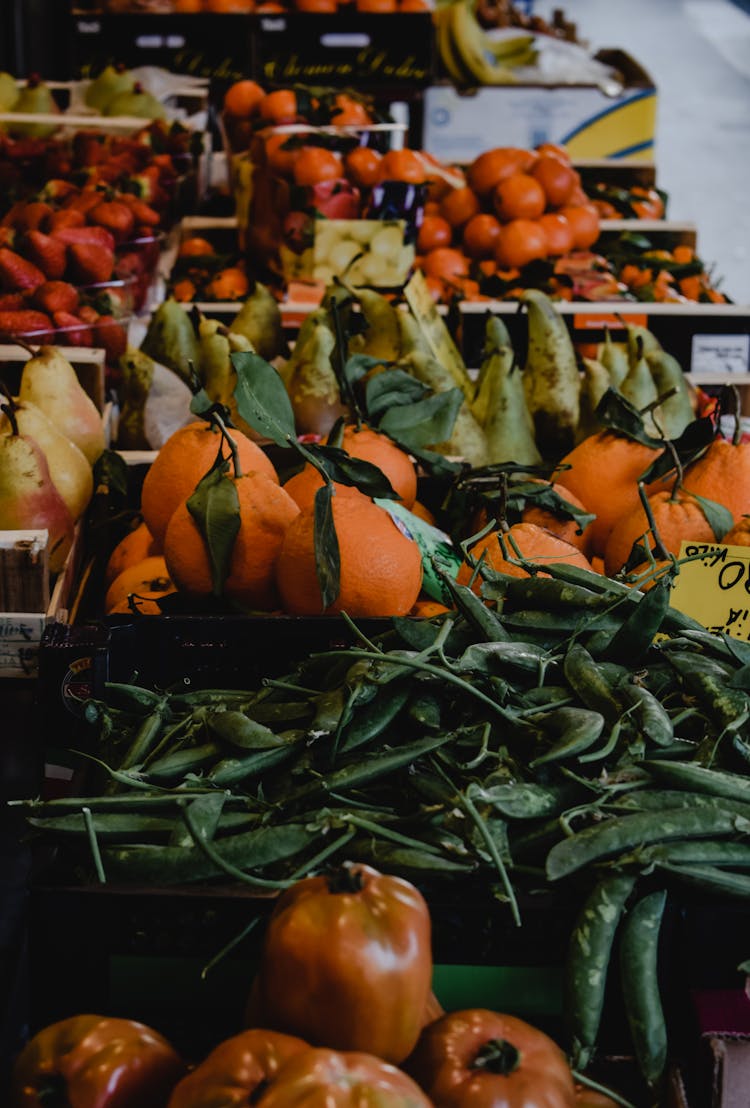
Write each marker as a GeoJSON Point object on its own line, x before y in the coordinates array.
{"type": "Point", "coordinates": [509, 49]}
{"type": "Point", "coordinates": [472, 49]}
{"type": "Point", "coordinates": [551, 378]}
{"type": "Point", "coordinates": [460, 76]}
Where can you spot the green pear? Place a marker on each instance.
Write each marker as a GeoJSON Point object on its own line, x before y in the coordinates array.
{"type": "Point", "coordinates": [506, 420]}
{"type": "Point", "coordinates": [135, 101]}
{"type": "Point", "coordinates": [35, 98]}
{"type": "Point", "coordinates": [496, 338]}
{"type": "Point", "coordinates": [551, 378]}
{"type": "Point", "coordinates": [70, 471]}
{"type": "Point", "coordinates": [9, 92]}
{"type": "Point", "coordinates": [309, 325]}
{"type": "Point", "coordinates": [614, 357]}
{"type": "Point", "coordinates": [467, 439]}
{"type": "Point", "coordinates": [411, 336]}
{"type": "Point", "coordinates": [641, 341]}
{"type": "Point", "coordinates": [676, 410]}
{"type": "Point", "coordinates": [28, 498]}
{"type": "Point", "coordinates": [259, 320]}
{"type": "Point", "coordinates": [382, 339]}
{"type": "Point", "coordinates": [49, 381]}
{"type": "Point", "coordinates": [137, 375]}
{"type": "Point", "coordinates": [596, 380]}
{"type": "Point", "coordinates": [640, 389]}
{"type": "Point", "coordinates": [113, 80]}
{"type": "Point", "coordinates": [171, 340]}
{"type": "Point", "coordinates": [313, 386]}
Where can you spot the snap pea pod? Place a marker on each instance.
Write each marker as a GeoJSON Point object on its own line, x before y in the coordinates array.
{"type": "Point", "coordinates": [426, 709]}
{"type": "Point", "coordinates": [371, 720]}
{"type": "Point", "coordinates": [614, 836]}
{"type": "Point", "coordinates": [547, 593]}
{"type": "Point", "coordinates": [688, 775]}
{"type": "Point", "coordinates": [709, 852]}
{"type": "Point", "coordinates": [146, 736]}
{"type": "Point", "coordinates": [636, 634]}
{"type": "Point", "coordinates": [656, 800]}
{"type": "Point", "coordinates": [279, 711]}
{"type": "Point", "coordinates": [609, 747]}
{"type": "Point", "coordinates": [137, 800]}
{"type": "Point", "coordinates": [639, 944]}
{"type": "Point", "coordinates": [167, 865]}
{"type": "Point", "coordinates": [131, 698]}
{"type": "Point", "coordinates": [545, 696]}
{"type": "Point", "coordinates": [189, 760]}
{"type": "Point", "coordinates": [534, 619]}
{"type": "Point", "coordinates": [233, 771]}
{"type": "Point", "coordinates": [235, 699]}
{"type": "Point", "coordinates": [411, 862]}
{"type": "Point", "coordinates": [576, 729]}
{"type": "Point", "coordinates": [107, 825]}
{"type": "Point", "coordinates": [474, 610]}
{"type": "Point", "coordinates": [650, 714]}
{"type": "Point", "coordinates": [720, 882]}
{"type": "Point", "coordinates": [522, 800]}
{"type": "Point", "coordinates": [235, 729]}
{"type": "Point", "coordinates": [587, 961]}
{"type": "Point", "coordinates": [371, 768]}
{"type": "Point", "coordinates": [520, 656]}
{"type": "Point", "coordinates": [704, 678]}
{"type": "Point", "coordinates": [587, 681]}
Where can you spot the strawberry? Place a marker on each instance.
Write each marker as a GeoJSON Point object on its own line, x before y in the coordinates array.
{"type": "Point", "coordinates": [56, 296]}
{"type": "Point", "coordinates": [130, 264]}
{"type": "Point", "coordinates": [26, 322]}
{"type": "Point", "coordinates": [89, 148]}
{"type": "Point", "coordinates": [13, 214]}
{"type": "Point", "coordinates": [85, 236]}
{"type": "Point", "coordinates": [47, 253]}
{"type": "Point", "coordinates": [57, 189]}
{"type": "Point", "coordinates": [115, 216]}
{"type": "Point", "coordinates": [34, 215]}
{"type": "Point", "coordinates": [88, 314]}
{"type": "Point", "coordinates": [111, 335]}
{"type": "Point", "coordinates": [12, 301]}
{"type": "Point", "coordinates": [73, 333]}
{"type": "Point", "coordinates": [90, 265]}
{"type": "Point", "coordinates": [66, 217]}
{"type": "Point", "coordinates": [144, 214]}
{"type": "Point", "coordinates": [17, 274]}
{"type": "Point", "coordinates": [7, 236]}
{"type": "Point", "coordinates": [83, 200]}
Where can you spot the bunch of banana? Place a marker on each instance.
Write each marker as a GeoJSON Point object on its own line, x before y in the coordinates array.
{"type": "Point", "coordinates": [472, 57]}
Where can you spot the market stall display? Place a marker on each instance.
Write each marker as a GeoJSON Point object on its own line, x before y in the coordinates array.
{"type": "Point", "coordinates": [361, 548]}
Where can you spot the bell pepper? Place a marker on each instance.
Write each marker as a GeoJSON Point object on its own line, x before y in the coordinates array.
{"type": "Point", "coordinates": [347, 963]}
{"type": "Point", "coordinates": [95, 1062]}
{"type": "Point", "coordinates": [236, 1071]}
{"type": "Point", "coordinates": [320, 1078]}
{"type": "Point", "coordinates": [481, 1059]}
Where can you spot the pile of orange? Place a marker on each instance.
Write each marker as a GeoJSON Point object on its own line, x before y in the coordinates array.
{"type": "Point", "coordinates": [516, 206]}
{"type": "Point", "coordinates": [272, 565]}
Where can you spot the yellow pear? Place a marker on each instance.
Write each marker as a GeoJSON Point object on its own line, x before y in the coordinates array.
{"type": "Point", "coordinates": [70, 472]}
{"type": "Point", "coordinates": [29, 500]}
{"type": "Point", "coordinates": [49, 381]}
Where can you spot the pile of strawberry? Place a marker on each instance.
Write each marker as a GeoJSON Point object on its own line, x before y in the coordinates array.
{"type": "Point", "coordinates": [54, 246]}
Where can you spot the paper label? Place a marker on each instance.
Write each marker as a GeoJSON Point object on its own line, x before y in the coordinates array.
{"type": "Point", "coordinates": [419, 299]}
{"type": "Point", "coordinates": [435, 546]}
{"type": "Point", "coordinates": [720, 354]}
{"type": "Point", "coordinates": [20, 636]}
{"type": "Point", "coordinates": [613, 322]}
{"type": "Point", "coordinates": [715, 587]}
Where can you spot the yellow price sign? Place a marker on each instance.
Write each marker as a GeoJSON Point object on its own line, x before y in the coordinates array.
{"type": "Point", "coordinates": [714, 587]}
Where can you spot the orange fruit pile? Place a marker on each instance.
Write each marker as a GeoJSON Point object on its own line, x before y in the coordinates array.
{"type": "Point", "coordinates": [515, 207]}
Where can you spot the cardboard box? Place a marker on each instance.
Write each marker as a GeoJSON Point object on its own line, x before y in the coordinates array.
{"type": "Point", "coordinates": [590, 123]}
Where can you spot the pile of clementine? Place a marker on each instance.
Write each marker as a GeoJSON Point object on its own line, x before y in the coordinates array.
{"type": "Point", "coordinates": [272, 567]}
{"type": "Point", "coordinates": [516, 206]}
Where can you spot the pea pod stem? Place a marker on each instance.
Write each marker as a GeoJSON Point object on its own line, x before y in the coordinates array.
{"type": "Point", "coordinates": [359, 634]}
{"type": "Point", "coordinates": [467, 804]}
{"type": "Point", "coordinates": [480, 757]}
{"type": "Point", "coordinates": [383, 832]}
{"type": "Point", "coordinates": [217, 860]}
{"type": "Point", "coordinates": [94, 844]}
{"type": "Point", "coordinates": [425, 667]}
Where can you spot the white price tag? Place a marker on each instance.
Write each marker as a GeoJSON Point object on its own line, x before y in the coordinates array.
{"type": "Point", "coordinates": [720, 354]}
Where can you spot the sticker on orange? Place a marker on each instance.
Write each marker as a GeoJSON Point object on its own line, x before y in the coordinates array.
{"type": "Point", "coordinates": [436, 548]}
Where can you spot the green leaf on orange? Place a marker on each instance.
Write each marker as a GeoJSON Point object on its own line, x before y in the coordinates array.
{"type": "Point", "coordinates": [327, 557]}
{"type": "Point", "coordinates": [262, 399]}
{"type": "Point", "coordinates": [215, 507]}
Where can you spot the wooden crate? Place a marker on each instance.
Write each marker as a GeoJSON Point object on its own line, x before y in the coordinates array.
{"type": "Point", "coordinates": [28, 600]}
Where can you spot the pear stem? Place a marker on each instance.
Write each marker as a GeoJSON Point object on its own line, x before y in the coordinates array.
{"type": "Point", "coordinates": [678, 469]}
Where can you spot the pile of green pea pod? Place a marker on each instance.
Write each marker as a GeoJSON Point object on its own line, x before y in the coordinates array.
{"type": "Point", "coordinates": [564, 731]}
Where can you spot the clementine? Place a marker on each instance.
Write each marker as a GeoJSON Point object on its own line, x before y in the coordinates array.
{"type": "Point", "coordinates": [519, 197]}
{"type": "Point", "coordinates": [493, 166]}
{"type": "Point", "coordinates": [556, 177]}
{"type": "Point", "coordinates": [137, 545]}
{"type": "Point", "coordinates": [723, 475]}
{"type": "Point", "coordinates": [519, 242]}
{"type": "Point", "coordinates": [677, 516]}
{"type": "Point", "coordinates": [557, 232]}
{"type": "Point", "coordinates": [434, 231]}
{"type": "Point", "coordinates": [561, 525]}
{"type": "Point", "coordinates": [534, 543]}
{"type": "Point", "coordinates": [265, 512]}
{"type": "Point", "coordinates": [446, 264]}
{"type": "Point", "coordinates": [279, 107]}
{"type": "Point", "coordinates": [303, 486]}
{"type": "Point", "coordinates": [459, 205]}
{"type": "Point", "coordinates": [381, 569]}
{"type": "Point", "coordinates": [403, 165]}
{"type": "Point", "coordinates": [375, 447]}
{"type": "Point", "coordinates": [480, 236]}
{"type": "Point", "coordinates": [243, 98]}
{"type": "Point", "coordinates": [363, 166]}
{"type": "Point", "coordinates": [583, 220]}
{"type": "Point", "coordinates": [315, 164]}
{"type": "Point", "coordinates": [148, 575]}
{"type": "Point", "coordinates": [183, 460]}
